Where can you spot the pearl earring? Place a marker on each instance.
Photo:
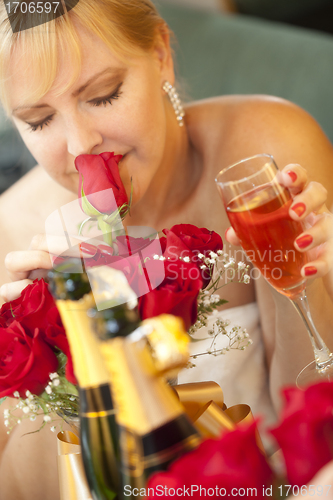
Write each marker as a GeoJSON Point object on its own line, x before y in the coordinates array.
{"type": "Point", "coordinates": [175, 101]}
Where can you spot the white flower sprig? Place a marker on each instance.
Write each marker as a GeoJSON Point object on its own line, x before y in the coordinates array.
{"type": "Point", "coordinates": [209, 301]}
{"type": "Point", "coordinates": [58, 403]}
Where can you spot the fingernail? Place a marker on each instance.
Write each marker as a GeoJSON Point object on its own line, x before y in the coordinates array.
{"type": "Point", "coordinates": [56, 260]}
{"type": "Point", "coordinates": [292, 175]}
{"type": "Point", "coordinates": [299, 208]}
{"type": "Point", "coordinates": [309, 271]}
{"type": "Point", "coordinates": [105, 250]}
{"type": "Point", "coordinates": [88, 249]}
{"type": "Point", "coordinates": [304, 241]}
{"type": "Point", "coordinates": [226, 232]}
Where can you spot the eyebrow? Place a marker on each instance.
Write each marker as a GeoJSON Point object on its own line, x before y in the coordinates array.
{"type": "Point", "coordinates": [116, 75]}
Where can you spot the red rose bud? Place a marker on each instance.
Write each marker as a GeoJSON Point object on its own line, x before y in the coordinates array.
{"type": "Point", "coordinates": [98, 174]}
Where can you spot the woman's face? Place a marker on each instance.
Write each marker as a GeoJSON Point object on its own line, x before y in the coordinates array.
{"type": "Point", "coordinates": [113, 106]}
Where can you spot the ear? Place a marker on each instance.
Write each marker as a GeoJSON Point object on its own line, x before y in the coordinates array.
{"type": "Point", "coordinates": [163, 54]}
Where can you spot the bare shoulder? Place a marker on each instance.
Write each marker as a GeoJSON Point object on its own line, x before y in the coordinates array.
{"type": "Point", "coordinates": [230, 128]}
{"type": "Point", "coordinates": [25, 206]}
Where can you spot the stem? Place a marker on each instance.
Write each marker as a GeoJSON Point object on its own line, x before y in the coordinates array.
{"type": "Point", "coordinates": [322, 354]}
{"type": "Point", "coordinates": [106, 230]}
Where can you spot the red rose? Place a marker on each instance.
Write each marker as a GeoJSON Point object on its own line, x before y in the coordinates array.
{"type": "Point", "coordinates": [35, 308]}
{"type": "Point", "coordinates": [177, 294]}
{"type": "Point", "coordinates": [128, 245]}
{"type": "Point", "coordinates": [55, 336]}
{"type": "Point", "coordinates": [26, 361]}
{"type": "Point", "coordinates": [186, 240]}
{"type": "Point", "coordinates": [99, 174]}
{"type": "Point", "coordinates": [305, 433]}
{"type": "Point", "coordinates": [31, 308]}
{"type": "Point", "coordinates": [218, 466]}
{"type": "Point", "coordinates": [198, 240]}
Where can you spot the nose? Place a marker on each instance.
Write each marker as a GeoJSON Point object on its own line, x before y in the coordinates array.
{"type": "Point", "coordinates": [82, 136]}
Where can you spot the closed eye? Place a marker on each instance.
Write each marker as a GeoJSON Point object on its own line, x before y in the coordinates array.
{"type": "Point", "coordinates": [103, 101]}
{"type": "Point", "coordinates": [39, 126]}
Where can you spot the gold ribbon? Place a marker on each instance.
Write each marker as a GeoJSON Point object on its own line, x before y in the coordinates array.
{"type": "Point", "coordinates": [204, 405]}
{"type": "Point", "coordinates": [72, 480]}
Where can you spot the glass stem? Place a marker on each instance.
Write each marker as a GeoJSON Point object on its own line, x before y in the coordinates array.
{"type": "Point", "coordinates": [323, 356]}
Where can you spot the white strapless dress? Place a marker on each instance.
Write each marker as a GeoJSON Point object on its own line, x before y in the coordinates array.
{"type": "Point", "coordinates": [242, 375]}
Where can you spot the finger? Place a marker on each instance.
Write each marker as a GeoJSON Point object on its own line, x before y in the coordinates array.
{"type": "Point", "coordinates": [294, 177]}
{"type": "Point", "coordinates": [66, 246]}
{"type": "Point", "coordinates": [231, 236]}
{"type": "Point", "coordinates": [319, 233]}
{"type": "Point", "coordinates": [11, 291]}
{"type": "Point", "coordinates": [311, 199]}
{"type": "Point", "coordinates": [20, 264]}
{"type": "Point", "coordinates": [322, 265]}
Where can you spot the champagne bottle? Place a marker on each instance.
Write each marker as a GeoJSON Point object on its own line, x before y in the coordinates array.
{"type": "Point", "coordinates": [153, 428]}
{"type": "Point", "coordinates": [98, 427]}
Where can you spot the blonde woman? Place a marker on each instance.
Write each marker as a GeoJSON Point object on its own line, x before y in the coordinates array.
{"type": "Point", "coordinates": [92, 81]}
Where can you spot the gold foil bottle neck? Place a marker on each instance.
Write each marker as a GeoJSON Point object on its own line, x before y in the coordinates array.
{"type": "Point", "coordinates": [144, 400]}
{"type": "Point", "coordinates": [89, 367]}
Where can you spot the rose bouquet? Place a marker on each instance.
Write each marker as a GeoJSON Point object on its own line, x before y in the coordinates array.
{"type": "Point", "coordinates": [170, 274]}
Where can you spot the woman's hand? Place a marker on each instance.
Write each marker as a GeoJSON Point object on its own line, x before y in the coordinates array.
{"type": "Point", "coordinates": [308, 205]}
{"type": "Point", "coordinates": [25, 266]}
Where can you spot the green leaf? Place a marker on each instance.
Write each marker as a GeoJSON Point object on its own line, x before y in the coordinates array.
{"type": "Point", "coordinates": [2, 399]}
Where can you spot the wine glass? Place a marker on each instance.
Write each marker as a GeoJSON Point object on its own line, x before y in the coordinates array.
{"type": "Point", "coordinates": [257, 206]}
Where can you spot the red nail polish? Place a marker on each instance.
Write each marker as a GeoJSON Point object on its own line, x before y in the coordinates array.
{"type": "Point", "coordinates": [304, 241]}
{"type": "Point", "coordinates": [56, 260]}
{"type": "Point", "coordinates": [87, 248]}
{"type": "Point", "coordinates": [310, 271]}
{"type": "Point", "coordinates": [105, 250]}
{"type": "Point", "coordinates": [292, 175]}
{"type": "Point", "coordinates": [299, 209]}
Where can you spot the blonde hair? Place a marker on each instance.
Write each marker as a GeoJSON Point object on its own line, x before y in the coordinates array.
{"type": "Point", "coordinates": [126, 27]}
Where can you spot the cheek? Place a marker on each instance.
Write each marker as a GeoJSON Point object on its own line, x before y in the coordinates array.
{"type": "Point", "coordinates": [48, 150]}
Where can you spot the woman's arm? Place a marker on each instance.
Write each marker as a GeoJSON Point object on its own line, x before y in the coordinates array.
{"type": "Point", "coordinates": [293, 137]}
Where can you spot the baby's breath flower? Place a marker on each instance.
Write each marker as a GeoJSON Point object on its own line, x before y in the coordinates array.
{"type": "Point", "coordinates": [241, 265]}
{"type": "Point", "coordinates": [6, 423]}
{"type": "Point", "coordinates": [186, 259]}
{"type": "Point", "coordinates": [26, 409]}
{"type": "Point", "coordinates": [16, 394]}
{"type": "Point", "coordinates": [47, 418]}
{"type": "Point", "coordinates": [6, 413]}
{"type": "Point", "coordinates": [48, 389]}
{"type": "Point", "coordinates": [246, 279]}
{"type": "Point", "coordinates": [53, 428]}
{"type": "Point", "coordinates": [201, 256]}
{"type": "Point", "coordinates": [156, 257]}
